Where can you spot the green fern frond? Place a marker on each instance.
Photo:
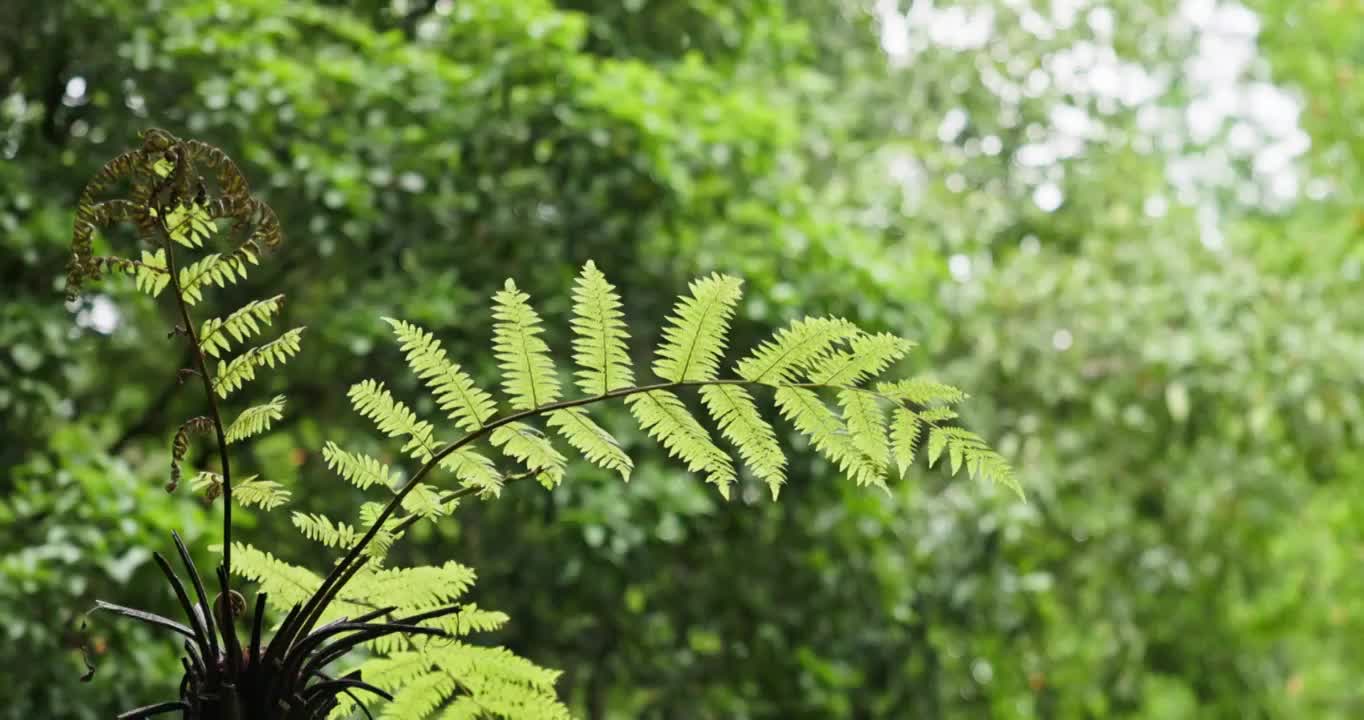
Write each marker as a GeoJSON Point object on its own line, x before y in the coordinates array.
{"type": "Point", "coordinates": [321, 529]}
{"type": "Point", "coordinates": [966, 448]}
{"type": "Point", "coordinates": [792, 348]}
{"type": "Point", "coordinates": [473, 469]}
{"type": "Point", "coordinates": [393, 418]}
{"type": "Point", "coordinates": [419, 698]}
{"type": "Point", "coordinates": [255, 420]}
{"type": "Point", "coordinates": [528, 375]}
{"type": "Point", "coordinates": [532, 449]}
{"type": "Point", "coordinates": [867, 356]}
{"type": "Point", "coordinates": [427, 501]}
{"type": "Point", "coordinates": [593, 441]}
{"type": "Point", "coordinates": [213, 269]}
{"type": "Point", "coordinates": [866, 424]}
{"type": "Point", "coordinates": [904, 437]}
{"type": "Point", "coordinates": [471, 619]}
{"type": "Point", "coordinates": [240, 370]}
{"type": "Point", "coordinates": [665, 418]}
{"type": "Point", "coordinates": [189, 224]}
{"type": "Point", "coordinates": [412, 589]}
{"type": "Point", "coordinates": [804, 410]}
{"type": "Point", "coordinates": [360, 470]}
{"type": "Point", "coordinates": [921, 391]}
{"type": "Point", "coordinates": [736, 415]}
{"type": "Point", "coordinates": [152, 276]}
{"type": "Point", "coordinates": [456, 393]}
{"type": "Point", "coordinates": [245, 322]}
{"type": "Point", "coordinates": [695, 336]}
{"type": "Point", "coordinates": [286, 584]}
{"type": "Point", "coordinates": [599, 335]}
{"type": "Point", "coordinates": [247, 492]}
{"type": "Point", "coordinates": [935, 415]}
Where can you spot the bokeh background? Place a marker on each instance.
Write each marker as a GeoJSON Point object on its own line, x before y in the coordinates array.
{"type": "Point", "coordinates": [1131, 229]}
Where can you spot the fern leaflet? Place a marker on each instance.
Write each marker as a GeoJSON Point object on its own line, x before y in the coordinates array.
{"type": "Point", "coordinates": [528, 375]}
{"type": "Point", "coordinates": [243, 323]}
{"type": "Point", "coordinates": [599, 335]}
{"type": "Point", "coordinates": [240, 370]}
{"type": "Point", "coordinates": [666, 419]}
{"type": "Point", "coordinates": [737, 417]}
{"type": "Point", "coordinates": [694, 338]}
{"type": "Point", "coordinates": [256, 420]}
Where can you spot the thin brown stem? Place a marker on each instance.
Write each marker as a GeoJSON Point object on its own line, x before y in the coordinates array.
{"type": "Point", "coordinates": [201, 364]}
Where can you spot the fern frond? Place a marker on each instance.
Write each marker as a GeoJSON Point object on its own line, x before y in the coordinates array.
{"type": "Point", "coordinates": [255, 420]}
{"type": "Point", "coordinates": [793, 347]}
{"type": "Point", "coordinates": [528, 375]}
{"type": "Point", "coordinates": [593, 441]}
{"type": "Point", "coordinates": [189, 224]}
{"type": "Point", "coordinates": [867, 356]}
{"type": "Point", "coordinates": [964, 447]}
{"type": "Point", "coordinates": [468, 405]}
{"type": "Point", "coordinates": [393, 418]}
{"type": "Point", "coordinates": [321, 529]}
{"type": "Point", "coordinates": [921, 391]}
{"type": "Point", "coordinates": [213, 269]}
{"type": "Point", "coordinates": [243, 323]}
{"type": "Point", "coordinates": [419, 698]}
{"type": "Point", "coordinates": [474, 469]}
{"type": "Point", "coordinates": [599, 335]}
{"type": "Point", "coordinates": [247, 492]}
{"type": "Point", "coordinates": [470, 619]}
{"type": "Point", "coordinates": [286, 584]}
{"type": "Point", "coordinates": [665, 418]}
{"type": "Point", "coordinates": [412, 589]}
{"type": "Point", "coordinates": [804, 410]}
{"type": "Point", "coordinates": [427, 501]}
{"type": "Point", "coordinates": [240, 370]}
{"type": "Point", "coordinates": [360, 470]}
{"type": "Point", "coordinates": [866, 424]}
{"type": "Point", "coordinates": [695, 336]}
{"type": "Point", "coordinates": [531, 448]}
{"type": "Point", "coordinates": [737, 416]}
{"type": "Point", "coordinates": [152, 276]}
{"type": "Point", "coordinates": [904, 437]}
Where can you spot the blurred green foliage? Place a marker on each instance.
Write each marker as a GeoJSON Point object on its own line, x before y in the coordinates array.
{"type": "Point", "coordinates": [1094, 215]}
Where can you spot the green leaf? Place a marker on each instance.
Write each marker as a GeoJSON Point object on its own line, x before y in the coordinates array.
{"type": "Point", "coordinates": [695, 335]}
{"type": "Point", "coordinates": [528, 375]}
{"type": "Point", "coordinates": [599, 335]}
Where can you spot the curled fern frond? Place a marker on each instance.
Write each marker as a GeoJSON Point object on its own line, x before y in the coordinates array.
{"type": "Point", "coordinates": [180, 446]}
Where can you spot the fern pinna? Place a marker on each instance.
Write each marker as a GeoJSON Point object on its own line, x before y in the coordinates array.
{"type": "Point", "coordinates": [824, 375]}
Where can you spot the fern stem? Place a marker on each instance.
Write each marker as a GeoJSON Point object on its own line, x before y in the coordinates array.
{"type": "Point", "coordinates": [343, 571]}
{"type": "Point", "coordinates": [215, 415]}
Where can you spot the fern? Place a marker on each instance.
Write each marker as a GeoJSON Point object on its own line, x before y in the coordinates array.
{"type": "Point", "coordinates": [359, 470]}
{"type": "Point", "coordinates": [243, 323]}
{"type": "Point", "coordinates": [240, 370]}
{"type": "Point", "coordinates": [599, 335]}
{"type": "Point", "coordinates": [663, 415]}
{"type": "Point", "coordinates": [737, 417]}
{"type": "Point", "coordinates": [256, 420]}
{"type": "Point", "coordinates": [694, 338]}
{"type": "Point", "coordinates": [455, 392]}
{"type": "Point", "coordinates": [527, 371]}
